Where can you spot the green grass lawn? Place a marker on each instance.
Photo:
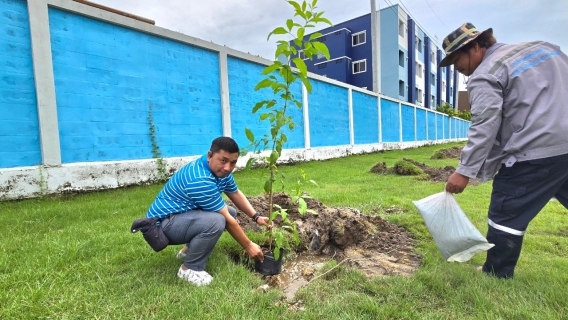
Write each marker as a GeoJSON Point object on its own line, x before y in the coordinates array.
{"type": "Point", "coordinates": [73, 257]}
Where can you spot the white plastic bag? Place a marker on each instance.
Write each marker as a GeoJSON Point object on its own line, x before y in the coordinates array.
{"type": "Point", "coordinates": [456, 237]}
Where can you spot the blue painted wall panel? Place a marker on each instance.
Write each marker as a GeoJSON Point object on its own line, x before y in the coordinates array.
{"type": "Point", "coordinates": [408, 123]}
{"type": "Point", "coordinates": [390, 121]}
{"type": "Point", "coordinates": [440, 126]}
{"type": "Point", "coordinates": [329, 115]}
{"type": "Point", "coordinates": [19, 125]}
{"type": "Point", "coordinates": [105, 78]}
{"type": "Point", "coordinates": [447, 127]}
{"type": "Point", "coordinates": [421, 125]}
{"type": "Point", "coordinates": [243, 77]}
{"type": "Point", "coordinates": [431, 126]}
{"type": "Point", "coordinates": [365, 118]}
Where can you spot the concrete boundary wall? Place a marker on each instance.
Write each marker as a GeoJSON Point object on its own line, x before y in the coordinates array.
{"type": "Point", "coordinates": [28, 182]}
{"type": "Point", "coordinates": [53, 176]}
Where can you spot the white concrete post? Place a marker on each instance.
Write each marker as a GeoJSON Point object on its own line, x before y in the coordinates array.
{"type": "Point", "coordinates": [351, 128]}
{"type": "Point", "coordinates": [380, 120]}
{"type": "Point", "coordinates": [415, 126]}
{"type": "Point", "coordinates": [225, 102]}
{"type": "Point", "coordinates": [44, 82]}
{"type": "Point", "coordinates": [306, 113]}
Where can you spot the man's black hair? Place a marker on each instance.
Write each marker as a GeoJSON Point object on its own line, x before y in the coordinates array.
{"type": "Point", "coordinates": [224, 143]}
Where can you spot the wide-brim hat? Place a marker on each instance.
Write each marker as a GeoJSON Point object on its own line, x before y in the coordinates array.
{"type": "Point", "coordinates": [459, 38]}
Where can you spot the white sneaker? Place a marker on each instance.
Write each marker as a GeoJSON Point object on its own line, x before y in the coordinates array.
{"type": "Point", "coordinates": [198, 278]}
{"type": "Point", "coordinates": [180, 254]}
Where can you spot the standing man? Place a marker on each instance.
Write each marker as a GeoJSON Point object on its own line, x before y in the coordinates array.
{"type": "Point", "coordinates": [519, 127]}
{"type": "Point", "coordinates": [194, 213]}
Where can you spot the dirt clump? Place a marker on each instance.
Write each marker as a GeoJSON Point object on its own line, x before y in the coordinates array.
{"type": "Point", "coordinates": [406, 168]}
{"type": "Point", "coordinates": [439, 174]}
{"type": "Point", "coordinates": [450, 153]}
{"type": "Point", "coordinates": [381, 168]}
{"type": "Point", "coordinates": [424, 171]}
{"type": "Point", "coordinates": [368, 243]}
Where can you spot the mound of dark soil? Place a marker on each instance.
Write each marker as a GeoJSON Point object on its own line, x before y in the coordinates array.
{"type": "Point", "coordinates": [369, 243]}
{"type": "Point", "coordinates": [451, 153]}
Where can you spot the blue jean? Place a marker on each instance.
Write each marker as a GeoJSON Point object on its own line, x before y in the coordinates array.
{"type": "Point", "coordinates": [199, 231]}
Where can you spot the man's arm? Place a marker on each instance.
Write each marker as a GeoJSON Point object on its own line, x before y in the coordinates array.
{"type": "Point", "coordinates": [232, 226]}
{"type": "Point", "coordinates": [242, 203]}
{"type": "Point", "coordinates": [486, 108]}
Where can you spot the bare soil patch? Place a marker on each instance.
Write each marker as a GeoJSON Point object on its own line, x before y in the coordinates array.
{"type": "Point", "coordinates": [439, 174]}
{"type": "Point", "coordinates": [370, 244]}
{"type": "Point", "coordinates": [450, 153]}
{"type": "Point", "coordinates": [432, 173]}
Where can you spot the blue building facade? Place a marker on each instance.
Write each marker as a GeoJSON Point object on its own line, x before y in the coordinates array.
{"type": "Point", "coordinates": [409, 59]}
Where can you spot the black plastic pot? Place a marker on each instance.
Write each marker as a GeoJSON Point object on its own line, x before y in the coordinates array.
{"type": "Point", "coordinates": [269, 266]}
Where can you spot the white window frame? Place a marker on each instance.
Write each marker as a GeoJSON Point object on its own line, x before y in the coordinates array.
{"type": "Point", "coordinates": [364, 61]}
{"type": "Point", "coordinates": [356, 35]}
{"type": "Point", "coordinates": [419, 69]}
{"type": "Point", "coordinates": [401, 28]}
{"type": "Point", "coordinates": [300, 53]}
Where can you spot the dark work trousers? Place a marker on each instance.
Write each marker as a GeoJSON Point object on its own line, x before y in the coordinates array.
{"type": "Point", "coordinates": [519, 193]}
{"type": "Point", "coordinates": [199, 231]}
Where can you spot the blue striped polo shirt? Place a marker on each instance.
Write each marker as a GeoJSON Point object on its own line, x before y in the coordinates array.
{"type": "Point", "coordinates": [192, 187]}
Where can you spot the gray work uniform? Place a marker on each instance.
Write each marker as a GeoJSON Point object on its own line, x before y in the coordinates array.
{"type": "Point", "coordinates": [519, 106]}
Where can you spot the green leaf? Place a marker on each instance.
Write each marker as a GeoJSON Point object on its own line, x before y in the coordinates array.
{"type": "Point", "coordinates": [271, 68]}
{"type": "Point", "coordinates": [264, 116]}
{"type": "Point", "coordinates": [279, 239]}
{"type": "Point", "coordinates": [312, 212]}
{"type": "Point", "coordinates": [263, 84]}
{"type": "Point", "coordinates": [308, 85]}
{"type": "Point", "coordinates": [304, 6]}
{"type": "Point", "coordinates": [321, 48]}
{"type": "Point", "coordinates": [273, 215]}
{"type": "Point", "coordinates": [271, 104]}
{"type": "Point", "coordinates": [273, 157]}
{"type": "Point", "coordinates": [250, 163]}
{"type": "Point", "coordinates": [258, 105]}
{"type": "Point", "coordinates": [249, 134]}
{"type": "Point", "coordinates": [302, 206]}
{"type": "Point", "coordinates": [278, 30]}
{"type": "Point", "coordinates": [296, 5]}
{"type": "Point", "coordinates": [300, 33]}
{"type": "Point", "coordinates": [295, 198]}
{"type": "Point", "coordinates": [313, 182]}
{"type": "Point", "coordinates": [296, 237]}
{"type": "Point", "coordinates": [315, 35]}
{"type": "Point", "coordinates": [276, 253]}
{"type": "Point", "coordinates": [267, 186]}
{"type": "Point", "coordinates": [326, 21]}
{"type": "Point", "coordinates": [301, 65]}
{"type": "Point", "coordinates": [289, 24]}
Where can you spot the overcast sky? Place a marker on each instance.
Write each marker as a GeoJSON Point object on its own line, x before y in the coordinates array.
{"type": "Point", "coordinates": [244, 24]}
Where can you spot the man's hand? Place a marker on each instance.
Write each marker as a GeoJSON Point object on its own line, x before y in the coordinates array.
{"type": "Point", "coordinates": [254, 251]}
{"type": "Point", "coordinates": [263, 221]}
{"type": "Point", "coordinates": [456, 183]}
